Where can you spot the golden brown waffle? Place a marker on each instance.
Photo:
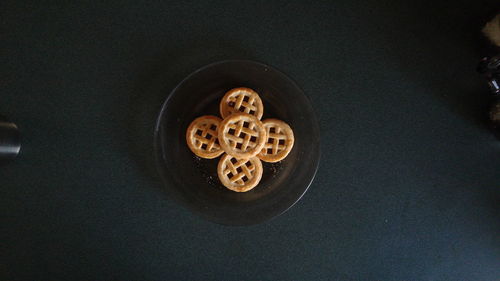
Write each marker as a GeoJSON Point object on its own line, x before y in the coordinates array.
{"type": "Point", "coordinates": [239, 175]}
{"type": "Point", "coordinates": [241, 100]}
{"type": "Point", "coordinates": [242, 135]}
{"type": "Point", "coordinates": [279, 141]}
{"type": "Point", "coordinates": [201, 137]}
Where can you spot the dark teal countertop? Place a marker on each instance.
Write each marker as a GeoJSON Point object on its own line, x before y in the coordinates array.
{"type": "Point", "coordinates": [408, 184]}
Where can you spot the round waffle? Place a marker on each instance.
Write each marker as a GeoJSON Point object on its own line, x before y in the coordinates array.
{"type": "Point", "coordinates": [241, 135]}
{"type": "Point", "coordinates": [279, 141]}
{"type": "Point", "coordinates": [241, 100]}
{"type": "Point", "coordinates": [201, 137]}
{"type": "Point", "coordinates": [239, 175]}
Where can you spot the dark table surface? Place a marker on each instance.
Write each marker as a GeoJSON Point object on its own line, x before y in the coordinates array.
{"type": "Point", "coordinates": [408, 186]}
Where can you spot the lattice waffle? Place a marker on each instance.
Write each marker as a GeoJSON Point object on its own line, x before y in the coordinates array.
{"type": "Point", "coordinates": [242, 135]}
{"type": "Point", "coordinates": [239, 175]}
{"type": "Point", "coordinates": [241, 100]}
{"type": "Point", "coordinates": [244, 138]}
{"type": "Point", "coordinates": [201, 137]}
{"type": "Point", "coordinates": [279, 141]}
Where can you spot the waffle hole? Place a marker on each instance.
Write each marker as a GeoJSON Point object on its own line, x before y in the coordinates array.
{"type": "Point", "coordinates": [204, 146]}
{"type": "Point", "coordinates": [233, 160]}
{"type": "Point", "coordinates": [269, 151]}
{"type": "Point", "coordinates": [246, 99]}
{"type": "Point", "coordinates": [246, 124]}
{"type": "Point", "coordinates": [209, 136]}
{"type": "Point", "coordinates": [282, 142]}
{"type": "Point", "coordinates": [213, 127]}
{"type": "Point", "coordinates": [253, 139]}
{"type": "Point", "coordinates": [272, 130]}
{"type": "Point", "coordinates": [198, 132]}
{"type": "Point", "coordinates": [270, 140]}
{"type": "Point", "coordinates": [231, 131]}
{"type": "Point", "coordinates": [238, 145]}
{"type": "Point", "coordinates": [251, 111]}
{"type": "Point", "coordinates": [239, 169]}
{"type": "Point", "coordinates": [245, 178]}
{"type": "Point", "coordinates": [230, 175]}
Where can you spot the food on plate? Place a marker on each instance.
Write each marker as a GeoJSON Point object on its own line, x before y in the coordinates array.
{"type": "Point", "coordinates": [241, 100]}
{"type": "Point", "coordinates": [201, 137]}
{"type": "Point", "coordinates": [239, 175]}
{"type": "Point", "coordinates": [279, 140]}
{"type": "Point", "coordinates": [242, 135]}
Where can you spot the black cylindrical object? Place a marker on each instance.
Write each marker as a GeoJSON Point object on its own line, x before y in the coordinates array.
{"type": "Point", "coordinates": [10, 140]}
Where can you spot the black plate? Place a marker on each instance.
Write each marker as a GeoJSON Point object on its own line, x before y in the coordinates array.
{"type": "Point", "coordinates": [194, 182]}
